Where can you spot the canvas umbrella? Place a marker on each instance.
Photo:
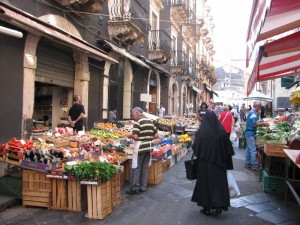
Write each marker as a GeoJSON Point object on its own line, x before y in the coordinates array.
{"type": "Point", "coordinates": [255, 95]}
{"type": "Point", "coordinates": [295, 96]}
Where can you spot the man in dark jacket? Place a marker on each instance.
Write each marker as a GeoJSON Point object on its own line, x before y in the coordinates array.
{"type": "Point", "coordinates": [76, 114]}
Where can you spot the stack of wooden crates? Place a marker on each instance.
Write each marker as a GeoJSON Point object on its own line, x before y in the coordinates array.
{"type": "Point", "coordinates": [62, 194]}
{"type": "Point", "coordinates": [273, 168]}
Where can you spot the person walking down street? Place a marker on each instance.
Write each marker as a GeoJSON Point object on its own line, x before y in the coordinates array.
{"type": "Point", "coordinates": [214, 152]}
{"type": "Point", "coordinates": [227, 120]}
{"type": "Point", "coordinates": [243, 113]}
{"type": "Point", "coordinates": [235, 114]}
{"type": "Point", "coordinates": [203, 109]}
{"type": "Point", "coordinates": [143, 133]}
{"type": "Point", "coordinates": [161, 111]}
{"type": "Point", "coordinates": [250, 132]}
{"type": "Point", "coordinates": [76, 113]}
{"type": "Point", "coordinates": [215, 109]}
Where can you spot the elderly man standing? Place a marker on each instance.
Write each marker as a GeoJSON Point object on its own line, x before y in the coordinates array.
{"type": "Point", "coordinates": [143, 133]}
{"type": "Point", "coordinates": [250, 132]}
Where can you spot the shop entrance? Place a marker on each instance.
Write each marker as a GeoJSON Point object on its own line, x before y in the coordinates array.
{"type": "Point", "coordinates": [51, 105]}
{"type": "Point", "coordinates": [153, 93]}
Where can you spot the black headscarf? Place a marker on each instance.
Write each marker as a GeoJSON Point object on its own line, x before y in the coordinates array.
{"type": "Point", "coordinates": [212, 143]}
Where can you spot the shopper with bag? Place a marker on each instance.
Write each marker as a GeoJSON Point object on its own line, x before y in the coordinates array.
{"type": "Point", "coordinates": [227, 120]}
{"type": "Point", "coordinates": [214, 152]}
{"type": "Point", "coordinates": [143, 134]}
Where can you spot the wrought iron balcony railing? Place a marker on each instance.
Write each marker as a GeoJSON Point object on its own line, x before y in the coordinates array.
{"type": "Point", "coordinates": [160, 40]}
{"type": "Point", "coordinates": [181, 7]}
{"type": "Point", "coordinates": [126, 20]}
{"type": "Point", "coordinates": [179, 60]}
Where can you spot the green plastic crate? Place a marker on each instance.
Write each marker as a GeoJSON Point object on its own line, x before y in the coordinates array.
{"type": "Point", "coordinates": [272, 183]}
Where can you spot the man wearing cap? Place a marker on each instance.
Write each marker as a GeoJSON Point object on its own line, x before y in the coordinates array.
{"type": "Point", "coordinates": [250, 132]}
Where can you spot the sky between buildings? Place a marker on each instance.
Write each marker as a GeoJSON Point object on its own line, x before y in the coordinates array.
{"type": "Point", "coordinates": [231, 19]}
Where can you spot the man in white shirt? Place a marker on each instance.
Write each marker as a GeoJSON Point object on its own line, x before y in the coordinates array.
{"type": "Point", "coordinates": [235, 114]}
{"type": "Point", "coordinates": [161, 111]}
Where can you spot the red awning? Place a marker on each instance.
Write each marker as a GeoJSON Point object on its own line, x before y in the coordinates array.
{"type": "Point", "coordinates": [280, 58]}
{"type": "Point", "coordinates": [30, 23]}
{"type": "Point", "coordinates": [270, 18]}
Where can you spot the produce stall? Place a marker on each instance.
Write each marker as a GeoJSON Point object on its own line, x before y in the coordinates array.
{"type": "Point", "coordinates": [63, 171]}
{"type": "Point", "coordinates": [280, 135]}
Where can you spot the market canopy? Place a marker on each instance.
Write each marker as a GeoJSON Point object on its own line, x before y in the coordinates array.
{"type": "Point", "coordinates": [270, 18]}
{"type": "Point", "coordinates": [255, 95]}
{"type": "Point", "coordinates": [276, 59]}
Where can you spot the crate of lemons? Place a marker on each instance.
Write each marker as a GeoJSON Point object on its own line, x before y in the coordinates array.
{"type": "Point", "coordinates": [185, 139]}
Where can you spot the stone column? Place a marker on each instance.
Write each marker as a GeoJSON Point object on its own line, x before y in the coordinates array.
{"type": "Point", "coordinates": [105, 89]}
{"type": "Point", "coordinates": [127, 90]}
{"type": "Point", "coordinates": [29, 64]}
{"type": "Point", "coordinates": [82, 78]}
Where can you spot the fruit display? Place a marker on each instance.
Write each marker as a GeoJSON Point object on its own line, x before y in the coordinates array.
{"type": "Point", "coordinates": [185, 138]}
{"type": "Point", "coordinates": [104, 134]}
{"type": "Point", "coordinates": [105, 126]}
{"type": "Point", "coordinates": [166, 122]}
{"type": "Point", "coordinates": [90, 147]}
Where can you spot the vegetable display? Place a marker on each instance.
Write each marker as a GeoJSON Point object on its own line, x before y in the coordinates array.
{"type": "Point", "coordinates": [102, 171]}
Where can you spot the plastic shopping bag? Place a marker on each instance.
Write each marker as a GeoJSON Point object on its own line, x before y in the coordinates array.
{"type": "Point", "coordinates": [233, 136]}
{"type": "Point", "coordinates": [234, 190]}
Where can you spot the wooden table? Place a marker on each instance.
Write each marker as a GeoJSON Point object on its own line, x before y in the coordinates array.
{"type": "Point", "coordinates": [291, 182]}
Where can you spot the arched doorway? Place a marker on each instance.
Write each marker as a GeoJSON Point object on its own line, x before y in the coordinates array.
{"type": "Point", "coordinates": [153, 87]}
{"type": "Point", "coordinates": [173, 97]}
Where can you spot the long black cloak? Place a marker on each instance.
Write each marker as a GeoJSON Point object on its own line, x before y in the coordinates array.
{"type": "Point", "coordinates": [214, 153]}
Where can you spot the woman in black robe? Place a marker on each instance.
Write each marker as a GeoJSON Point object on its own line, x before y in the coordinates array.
{"type": "Point", "coordinates": [214, 155]}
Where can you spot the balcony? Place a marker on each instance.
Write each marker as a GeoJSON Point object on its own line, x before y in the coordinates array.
{"type": "Point", "coordinates": [204, 31]}
{"type": "Point", "coordinates": [159, 46]}
{"type": "Point", "coordinates": [207, 39]}
{"type": "Point", "coordinates": [179, 10]}
{"type": "Point", "coordinates": [211, 52]}
{"type": "Point", "coordinates": [125, 22]}
{"type": "Point", "coordinates": [92, 6]}
{"type": "Point", "coordinates": [210, 46]}
{"type": "Point", "coordinates": [189, 27]}
{"type": "Point", "coordinates": [179, 62]}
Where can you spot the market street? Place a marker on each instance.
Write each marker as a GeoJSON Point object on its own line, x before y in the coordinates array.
{"type": "Point", "coordinates": [169, 203]}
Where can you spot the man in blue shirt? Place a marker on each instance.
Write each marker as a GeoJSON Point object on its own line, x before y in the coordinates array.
{"type": "Point", "coordinates": [250, 132]}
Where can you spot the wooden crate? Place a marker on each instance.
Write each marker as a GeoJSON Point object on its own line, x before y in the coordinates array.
{"type": "Point", "coordinates": [155, 174]}
{"type": "Point", "coordinates": [116, 190]}
{"type": "Point", "coordinates": [59, 194]}
{"type": "Point", "coordinates": [77, 196]}
{"type": "Point", "coordinates": [14, 155]}
{"type": "Point", "coordinates": [99, 200]}
{"type": "Point", "coordinates": [36, 189]}
{"type": "Point", "coordinates": [272, 149]}
{"type": "Point", "coordinates": [177, 149]}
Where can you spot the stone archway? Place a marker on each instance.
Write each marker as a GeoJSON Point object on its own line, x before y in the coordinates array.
{"type": "Point", "coordinates": [173, 97]}
{"type": "Point", "coordinates": [184, 99]}
{"type": "Point", "coordinates": [154, 90]}
{"type": "Point", "coordinates": [30, 65]}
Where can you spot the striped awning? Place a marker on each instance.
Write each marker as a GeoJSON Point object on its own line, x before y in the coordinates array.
{"type": "Point", "coordinates": [280, 58]}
